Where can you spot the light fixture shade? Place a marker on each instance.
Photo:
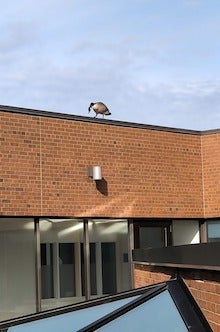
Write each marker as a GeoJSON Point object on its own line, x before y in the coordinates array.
{"type": "Point", "coordinates": [95, 172]}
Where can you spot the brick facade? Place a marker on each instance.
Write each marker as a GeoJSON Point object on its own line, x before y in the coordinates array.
{"type": "Point", "coordinates": [204, 286]}
{"type": "Point", "coordinates": [211, 174]}
{"type": "Point", "coordinates": [146, 172]}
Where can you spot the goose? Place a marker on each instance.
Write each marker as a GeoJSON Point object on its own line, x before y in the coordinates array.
{"type": "Point", "coordinates": [99, 108]}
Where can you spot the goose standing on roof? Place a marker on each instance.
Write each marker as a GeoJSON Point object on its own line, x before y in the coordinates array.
{"type": "Point", "coordinates": [99, 108]}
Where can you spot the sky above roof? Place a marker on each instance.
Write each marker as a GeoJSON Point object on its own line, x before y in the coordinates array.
{"type": "Point", "coordinates": [151, 61]}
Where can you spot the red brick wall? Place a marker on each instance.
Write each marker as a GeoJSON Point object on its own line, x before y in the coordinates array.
{"type": "Point", "coordinates": [44, 164]}
{"type": "Point", "coordinates": [204, 286]}
{"type": "Point", "coordinates": [20, 185]}
{"type": "Point", "coordinates": [211, 174]}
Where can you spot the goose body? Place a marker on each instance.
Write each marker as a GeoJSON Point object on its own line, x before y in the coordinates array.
{"type": "Point", "coordinates": [99, 108]}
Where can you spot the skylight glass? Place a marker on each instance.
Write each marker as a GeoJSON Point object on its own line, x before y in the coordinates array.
{"type": "Point", "coordinates": [158, 314]}
{"type": "Point", "coordinates": [70, 322]}
{"type": "Point", "coordinates": [164, 307]}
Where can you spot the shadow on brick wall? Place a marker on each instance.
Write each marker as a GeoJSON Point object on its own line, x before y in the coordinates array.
{"type": "Point", "coordinates": [102, 187]}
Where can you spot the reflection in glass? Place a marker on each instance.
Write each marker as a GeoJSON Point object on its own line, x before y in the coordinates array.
{"type": "Point", "coordinates": [66, 264]}
{"type": "Point", "coordinates": [213, 230]}
{"type": "Point", "coordinates": [47, 279]}
{"type": "Point", "coordinates": [17, 273]}
{"type": "Point", "coordinates": [93, 279]}
{"type": "Point", "coordinates": [151, 237]}
{"type": "Point", "coordinates": [110, 270]}
{"type": "Point", "coordinates": [61, 261]}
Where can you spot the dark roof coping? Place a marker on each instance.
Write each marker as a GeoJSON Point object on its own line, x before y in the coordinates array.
{"type": "Point", "coordinates": [196, 256]}
{"type": "Point", "coordinates": [65, 116]}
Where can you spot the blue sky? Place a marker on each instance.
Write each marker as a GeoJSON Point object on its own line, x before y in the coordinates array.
{"type": "Point", "coordinates": [151, 61]}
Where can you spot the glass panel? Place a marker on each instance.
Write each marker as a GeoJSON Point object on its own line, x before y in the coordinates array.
{"type": "Point", "coordinates": [185, 232]}
{"type": "Point", "coordinates": [158, 314]}
{"type": "Point", "coordinates": [47, 266]}
{"type": "Point", "coordinates": [67, 275]}
{"type": "Point", "coordinates": [213, 230]}
{"type": "Point", "coordinates": [17, 273]}
{"type": "Point", "coordinates": [93, 279]}
{"type": "Point", "coordinates": [151, 237]}
{"type": "Point", "coordinates": [108, 268]}
{"type": "Point", "coordinates": [72, 321]}
{"type": "Point", "coordinates": [62, 238]}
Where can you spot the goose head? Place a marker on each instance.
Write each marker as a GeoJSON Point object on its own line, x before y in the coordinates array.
{"type": "Point", "coordinates": [89, 109]}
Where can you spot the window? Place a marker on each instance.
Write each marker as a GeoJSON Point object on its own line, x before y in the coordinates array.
{"type": "Point", "coordinates": [213, 231]}
{"type": "Point", "coordinates": [17, 273]}
{"type": "Point", "coordinates": [152, 234]}
{"type": "Point", "coordinates": [185, 232]}
{"type": "Point", "coordinates": [62, 260]}
{"type": "Point", "coordinates": [110, 238]}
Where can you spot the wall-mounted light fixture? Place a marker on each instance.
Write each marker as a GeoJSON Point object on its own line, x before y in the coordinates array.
{"type": "Point", "coordinates": [95, 173]}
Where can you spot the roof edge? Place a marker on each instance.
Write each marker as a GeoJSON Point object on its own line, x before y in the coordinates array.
{"type": "Point", "coordinates": [65, 116]}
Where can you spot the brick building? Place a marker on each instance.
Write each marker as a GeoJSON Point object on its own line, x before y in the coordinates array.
{"type": "Point", "coordinates": [70, 237]}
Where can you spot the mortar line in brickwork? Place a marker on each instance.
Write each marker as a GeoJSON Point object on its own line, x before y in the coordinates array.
{"type": "Point", "coordinates": [203, 186]}
{"type": "Point", "coordinates": [41, 172]}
